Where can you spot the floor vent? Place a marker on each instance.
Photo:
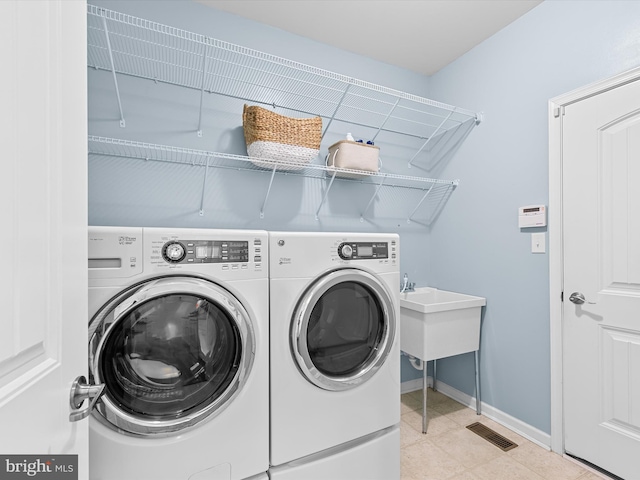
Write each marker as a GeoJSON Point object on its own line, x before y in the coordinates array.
{"type": "Point", "coordinates": [491, 436]}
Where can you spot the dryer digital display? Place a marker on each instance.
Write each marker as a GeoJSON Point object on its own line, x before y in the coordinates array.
{"type": "Point", "coordinates": [363, 250]}
{"type": "Point", "coordinates": [205, 251]}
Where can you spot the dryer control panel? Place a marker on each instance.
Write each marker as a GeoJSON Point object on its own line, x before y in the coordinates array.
{"type": "Point", "coordinates": [363, 250]}
{"type": "Point", "coordinates": [206, 251]}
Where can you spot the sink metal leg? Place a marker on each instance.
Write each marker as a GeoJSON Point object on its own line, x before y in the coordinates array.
{"type": "Point", "coordinates": [424, 397]}
{"type": "Point", "coordinates": [435, 370]}
{"type": "Point", "coordinates": [477, 382]}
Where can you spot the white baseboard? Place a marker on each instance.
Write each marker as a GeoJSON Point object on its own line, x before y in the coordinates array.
{"type": "Point", "coordinates": [518, 426]}
{"type": "Point", "coordinates": [413, 385]}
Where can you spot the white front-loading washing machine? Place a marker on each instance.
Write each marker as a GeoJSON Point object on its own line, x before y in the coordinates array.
{"type": "Point", "coordinates": [178, 335]}
{"type": "Point", "coordinates": [334, 344]}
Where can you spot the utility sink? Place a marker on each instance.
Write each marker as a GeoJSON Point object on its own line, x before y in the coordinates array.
{"type": "Point", "coordinates": [438, 323]}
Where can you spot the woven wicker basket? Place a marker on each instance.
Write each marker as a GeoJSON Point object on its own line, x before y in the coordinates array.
{"type": "Point", "coordinates": [276, 138]}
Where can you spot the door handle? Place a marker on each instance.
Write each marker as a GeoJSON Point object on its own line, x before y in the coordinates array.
{"type": "Point", "coordinates": [578, 299]}
{"type": "Point", "coordinates": [81, 391]}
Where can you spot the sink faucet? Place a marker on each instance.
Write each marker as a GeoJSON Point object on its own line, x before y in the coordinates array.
{"type": "Point", "coordinates": [406, 285]}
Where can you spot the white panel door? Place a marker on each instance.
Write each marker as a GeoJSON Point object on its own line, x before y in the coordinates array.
{"type": "Point", "coordinates": [43, 182]}
{"type": "Point", "coordinates": [601, 227]}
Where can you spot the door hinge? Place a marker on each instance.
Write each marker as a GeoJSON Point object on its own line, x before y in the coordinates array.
{"type": "Point", "coordinates": [562, 296]}
{"type": "Point", "coordinates": [558, 111]}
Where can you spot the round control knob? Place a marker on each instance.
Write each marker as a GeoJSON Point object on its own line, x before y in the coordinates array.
{"type": "Point", "coordinates": [345, 251]}
{"type": "Point", "coordinates": [173, 252]}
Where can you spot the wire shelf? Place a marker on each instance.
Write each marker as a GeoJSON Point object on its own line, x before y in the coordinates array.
{"type": "Point", "coordinates": [133, 46]}
{"type": "Point", "coordinates": [423, 188]}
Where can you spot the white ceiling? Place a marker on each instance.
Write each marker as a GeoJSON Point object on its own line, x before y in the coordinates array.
{"type": "Point", "coordinates": [419, 35]}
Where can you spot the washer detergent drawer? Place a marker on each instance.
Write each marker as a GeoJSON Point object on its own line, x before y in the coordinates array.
{"type": "Point", "coordinates": [115, 254]}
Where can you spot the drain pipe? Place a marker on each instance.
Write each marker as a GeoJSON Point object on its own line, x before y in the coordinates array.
{"type": "Point", "coordinates": [414, 361]}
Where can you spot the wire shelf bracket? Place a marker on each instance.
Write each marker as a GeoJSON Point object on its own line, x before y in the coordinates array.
{"type": "Point", "coordinates": [431, 137]}
{"type": "Point", "coordinates": [384, 122]}
{"type": "Point", "coordinates": [204, 187]}
{"type": "Point", "coordinates": [326, 194]}
{"type": "Point", "coordinates": [204, 78]}
{"type": "Point", "coordinates": [335, 112]}
{"type": "Point", "coordinates": [373, 197]}
{"type": "Point", "coordinates": [449, 187]}
{"type": "Point", "coordinates": [113, 70]}
{"type": "Point", "coordinates": [266, 197]}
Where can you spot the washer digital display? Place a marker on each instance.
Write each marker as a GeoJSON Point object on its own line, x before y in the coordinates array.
{"type": "Point", "coordinates": [206, 251]}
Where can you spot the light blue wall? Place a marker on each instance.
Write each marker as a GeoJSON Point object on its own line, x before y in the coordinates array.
{"type": "Point", "coordinates": [477, 247]}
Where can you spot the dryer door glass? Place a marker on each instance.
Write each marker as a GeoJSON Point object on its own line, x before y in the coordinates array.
{"type": "Point", "coordinates": [169, 355]}
{"type": "Point", "coordinates": [343, 329]}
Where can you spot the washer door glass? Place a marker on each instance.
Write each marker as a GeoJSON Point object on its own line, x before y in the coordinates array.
{"type": "Point", "coordinates": [171, 352]}
{"type": "Point", "coordinates": [343, 329]}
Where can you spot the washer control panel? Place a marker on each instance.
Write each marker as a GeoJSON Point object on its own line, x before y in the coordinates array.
{"type": "Point", "coordinates": [363, 250]}
{"type": "Point", "coordinates": [206, 251]}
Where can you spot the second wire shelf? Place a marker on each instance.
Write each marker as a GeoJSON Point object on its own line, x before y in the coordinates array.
{"type": "Point", "coordinates": [423, 188]}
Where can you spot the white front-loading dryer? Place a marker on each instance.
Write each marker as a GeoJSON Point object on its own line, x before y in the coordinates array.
{"type": "Point", "coordinates": [334, 342]}
{"type": "Point", "coordinates": [178, 335]}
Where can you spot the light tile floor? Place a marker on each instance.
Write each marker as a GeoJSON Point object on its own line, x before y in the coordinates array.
{"type": "Point", "coordinates": [449, 451]}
